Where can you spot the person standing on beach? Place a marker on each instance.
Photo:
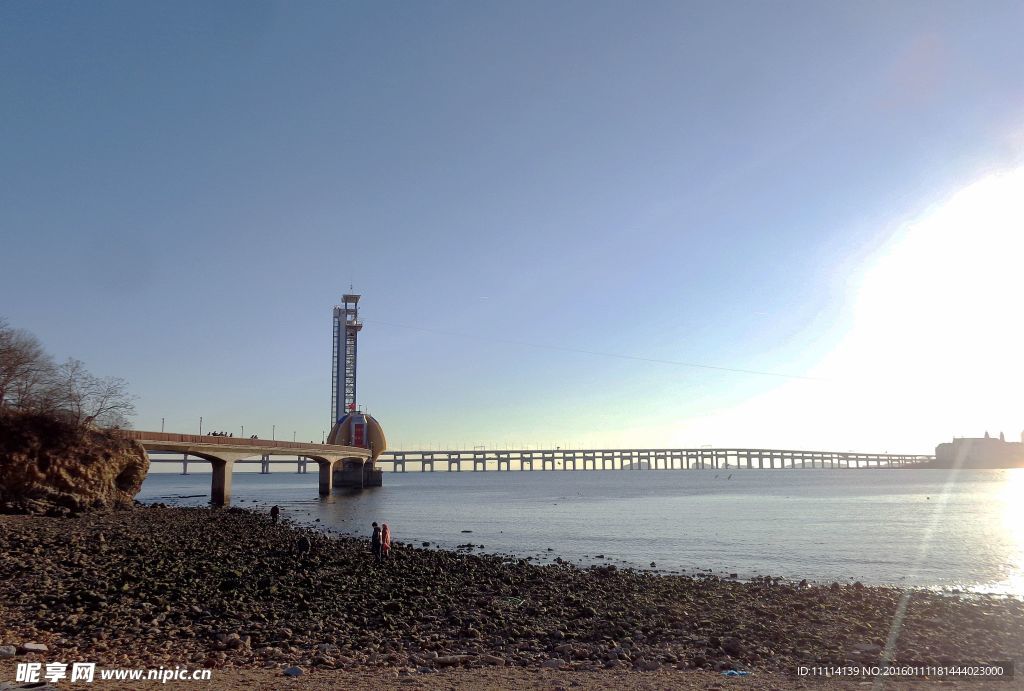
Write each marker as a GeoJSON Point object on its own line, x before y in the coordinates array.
{"type": "Point", "coordinates": [275, 512]}
{"type": "Point", "coordinates": [385, 541]}
{"type": "Point", "coordinates": [375, 542]}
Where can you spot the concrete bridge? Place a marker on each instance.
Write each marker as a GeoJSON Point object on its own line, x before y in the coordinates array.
{"type": "Point", "coordinates": [350, 462]}
{"type": "Point", "coordinates": [645, 459]}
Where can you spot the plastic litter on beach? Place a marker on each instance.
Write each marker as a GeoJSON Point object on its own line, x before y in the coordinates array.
{"type": "Point", "coordinates": [735, 673]}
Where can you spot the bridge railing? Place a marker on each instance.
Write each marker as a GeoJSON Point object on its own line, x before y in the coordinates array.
{"type": "Point", "coordinates": [648, 454]}
{"type": "Point", "coordinates": [207, 439]}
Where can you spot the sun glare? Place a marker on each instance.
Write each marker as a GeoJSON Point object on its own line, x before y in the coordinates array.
{"type": "Point", "coordinates": [960, 263]}
{"type": "Point", "coordinates": [933, 347]}
{"type": "Point", "coordinates": [1013, 524]}
{"type": "Point", "coordinates": [937, 320]}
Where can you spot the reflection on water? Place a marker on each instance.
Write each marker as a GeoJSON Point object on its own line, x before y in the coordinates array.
{"type": "Point", "coordinates": [1012, 496]}
{"type": "Point", "coordinates": [902, 527]}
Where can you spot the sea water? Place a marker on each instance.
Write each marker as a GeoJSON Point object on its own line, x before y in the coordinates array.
{"type": "Point", "coordinates": [948, 530]}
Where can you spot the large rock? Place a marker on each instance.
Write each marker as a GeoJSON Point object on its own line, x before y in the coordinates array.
{"type": "Point", "coordinates": [54, 467]}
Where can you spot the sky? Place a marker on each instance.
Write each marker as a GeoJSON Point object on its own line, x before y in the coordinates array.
{"type": "Point", "coordinates": [577, 224]}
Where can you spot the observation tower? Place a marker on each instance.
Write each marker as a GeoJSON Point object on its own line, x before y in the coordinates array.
{"type": "Point", "coordinates": [343, 363]}
{"type": "Point", "coordinates": [349, 425]}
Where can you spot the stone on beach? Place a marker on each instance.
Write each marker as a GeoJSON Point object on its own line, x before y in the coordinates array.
{"type": "Point", "coordinates": [26, 648]}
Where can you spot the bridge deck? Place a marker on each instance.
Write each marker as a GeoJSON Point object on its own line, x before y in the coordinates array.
{"type": "Point", "coordinates": [666, 459]}
{"type": "Point", "coordinates": [223, 452]}
{"type": "Point", "coordinates": [174, 442]}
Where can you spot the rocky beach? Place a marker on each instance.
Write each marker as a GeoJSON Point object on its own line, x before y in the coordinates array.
{"type": "Point", "coordinates": [228, 589]}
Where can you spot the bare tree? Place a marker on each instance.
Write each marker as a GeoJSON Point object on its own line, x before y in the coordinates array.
{"type": "Point", "coordinates": [88, 399]}
{"type": "Point", "coordinates": [108, 403]}
{"type": "Point", "coordinates": [26, 369]}
{"type": "Point", "coordinates": [30, 381]}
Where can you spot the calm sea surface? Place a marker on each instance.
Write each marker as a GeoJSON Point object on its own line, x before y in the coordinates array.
{"type": "Point", "coordinates": [921, 528]}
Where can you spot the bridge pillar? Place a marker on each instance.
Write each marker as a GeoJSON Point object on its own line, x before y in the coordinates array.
{"type": "Point", "coordinates": [326, 476]}
{"type": "Point", "coordinates": [220, 490]}
{"type": "Point", "coordinates": [356, 473]}
{"type": "Point", "coordinates": [265, 464]}
{"type": "Point", "coordinates": [184, 464]}
{"type": "Point", "coordinates": [372, 475]}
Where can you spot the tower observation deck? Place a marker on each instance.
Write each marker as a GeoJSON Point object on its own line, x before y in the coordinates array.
{"type": "Point", "coordinates": [343, 379]}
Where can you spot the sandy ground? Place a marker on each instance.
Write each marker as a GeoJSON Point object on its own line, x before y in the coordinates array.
{"type": "Point", "coordinates": [515, 679]}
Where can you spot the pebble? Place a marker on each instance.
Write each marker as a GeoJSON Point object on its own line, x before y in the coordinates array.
{"type": "Point", "coordinates": [25, 648]}
{"type": "Point", "coordinates": [293, 672]}
{"type": "Point", "coordinates": [451, 660]}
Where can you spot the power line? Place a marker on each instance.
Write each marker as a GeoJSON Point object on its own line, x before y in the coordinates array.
{"type": "Point", "coordinates": [637, 358]}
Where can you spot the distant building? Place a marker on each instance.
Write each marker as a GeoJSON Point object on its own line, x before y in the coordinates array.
{"type": "Point", "coordinates": [984, 452]}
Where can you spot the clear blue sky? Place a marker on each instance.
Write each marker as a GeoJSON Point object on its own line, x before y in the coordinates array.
{"type": "Point", "coordinates": [187, 188]}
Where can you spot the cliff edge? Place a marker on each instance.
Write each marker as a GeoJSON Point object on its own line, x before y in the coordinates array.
{"type": "Point", "coordinates": [54, 467]}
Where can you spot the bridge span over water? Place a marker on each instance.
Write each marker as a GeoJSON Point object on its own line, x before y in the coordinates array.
{"type": "Point", "coordinates": [354, 464]}
{"type": "Point", "coordinates": [644, 459]}
{"type": "Point", "coordinates": [224, 452]}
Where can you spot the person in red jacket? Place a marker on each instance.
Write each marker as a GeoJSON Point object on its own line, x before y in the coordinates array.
{"type": "Point", "coordinates": [385, 541]}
